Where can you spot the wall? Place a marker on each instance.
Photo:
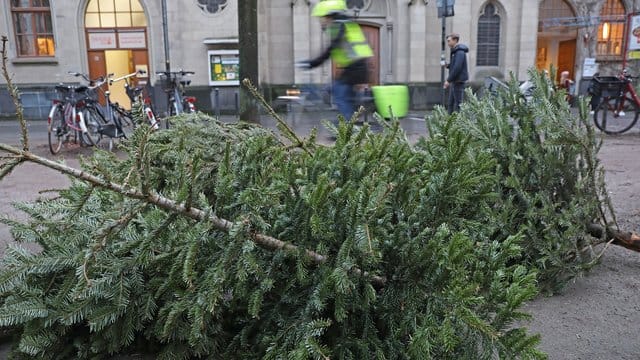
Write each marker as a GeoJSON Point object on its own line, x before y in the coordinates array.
{"type": "Point", "coordinates": [410, 44]}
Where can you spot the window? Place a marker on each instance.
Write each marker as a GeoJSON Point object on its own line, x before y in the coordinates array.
{"type": "Point", "coordinates": [212, 6]}
{"type": "Point", "coordinates": [33, 28]}
{"type": "Point", "coordinates": [114, 13]}
{"type": "Point", "coordinates": [358, 4]}
{"type": "Point", "coordinates": [611, 29]}
{"type": "Point", "coordinates": [488, 53]}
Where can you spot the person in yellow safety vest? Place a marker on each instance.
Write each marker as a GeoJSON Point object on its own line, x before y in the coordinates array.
{"type": "Point", "coordinates": [348, 49]}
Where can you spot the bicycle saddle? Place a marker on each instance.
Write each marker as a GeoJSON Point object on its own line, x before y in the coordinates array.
{"type": "Point", "coordinates": [133, 93]}
{"type": "Point", "coordinates": [185, 82]}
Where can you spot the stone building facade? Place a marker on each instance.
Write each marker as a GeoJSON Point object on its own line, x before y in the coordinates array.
{"type": "Point", "coordinates": [48, 38]}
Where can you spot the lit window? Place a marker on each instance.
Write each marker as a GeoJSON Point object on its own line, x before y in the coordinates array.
{"type": "Point", "coordinates": [488, 53]}
{"type": "Point", "coordinates": [212, 6]}
{"type": "Point", "coordinates": [114, 13]}
{"type": "Point", "coordinates": [611, 29]}
{"type": "Point", "coordinates": [33, 28]}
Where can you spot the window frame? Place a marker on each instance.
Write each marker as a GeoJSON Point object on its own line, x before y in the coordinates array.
{"type": "Point", "coordinates": [204, 7]}
{"type": "Point", "coordinates": [33, 12]}
{"type": "Point", "coordinates": [605, 49]}
{"type": "Point", "coordinates": [498, 35]}
{"type": "Point", "coordinates": [116, 16]}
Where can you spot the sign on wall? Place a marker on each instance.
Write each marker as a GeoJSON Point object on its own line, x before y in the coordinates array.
{"type": "Point", "coordinates": [224, 67]}
{"type": "Point", "coordinates": [590, 67]}
{"type": "Point", "coordinates": [102, 40]}
{"type": "Point", "coordinates": [634, 33]}
{"type": "Point", "coordinates": [114, 39]}
{"type": "Point", "coordinates": [633, 49]}
{"type": "Point", "coordinates": [132, 40]}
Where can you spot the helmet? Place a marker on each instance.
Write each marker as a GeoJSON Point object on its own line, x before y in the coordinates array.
{"type": "Point", "coordinates": [329, 7]}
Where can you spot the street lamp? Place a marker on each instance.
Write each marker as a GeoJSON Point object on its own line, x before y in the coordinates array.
{"type": "Point", "coordinates": [445, 10]}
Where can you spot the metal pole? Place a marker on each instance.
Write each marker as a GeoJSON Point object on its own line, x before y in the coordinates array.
{"type": "Point", "coordinates": [237, 99]}
{"type": "Point", "coordinates": [217, 101]}
{"type": "Point", "coordinates": [165, 31]}
{"type": "Point", "coordinates": [442, 57]}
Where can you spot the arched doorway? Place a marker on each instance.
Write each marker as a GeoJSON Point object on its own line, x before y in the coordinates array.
{"type": "Point", "coordinates": [557, 34]}
{"type": "Point", "coordinates": [116, 34]}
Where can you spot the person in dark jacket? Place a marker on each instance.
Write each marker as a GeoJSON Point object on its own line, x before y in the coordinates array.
{"type": "Point", "coordinates": [458, 72]}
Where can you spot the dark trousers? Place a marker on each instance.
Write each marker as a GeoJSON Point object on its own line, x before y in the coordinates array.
{"type": "Point", "coordinates": [344, 92]}
{"type": "Point", "coordinates": [344, 96]}
{"type": "Point", "coordinates": [456, 92]}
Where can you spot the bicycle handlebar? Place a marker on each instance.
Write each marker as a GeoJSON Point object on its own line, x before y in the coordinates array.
{"type": "Point", "coordinates": [93, 83]}
{"type": "Point", "coordinates": [124, 77]}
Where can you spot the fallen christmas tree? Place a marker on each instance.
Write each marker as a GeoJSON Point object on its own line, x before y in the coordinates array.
{"type": "Point", "coordinates": [215, 240]}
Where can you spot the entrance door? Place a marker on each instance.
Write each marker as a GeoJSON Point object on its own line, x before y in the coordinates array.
{"type": "Point", "coordinates": [119, 62]}
{"type": "Point", "coordinates": [116, 33]}
{"type": "Point", "coordinates": [109, 54]}
{"type": "Point", "coordinates": [566, 58]}
{"type": "Point", "coordinates": [372, 33]}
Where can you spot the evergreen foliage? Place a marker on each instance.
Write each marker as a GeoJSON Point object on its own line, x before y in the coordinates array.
{"type": "Point", "coordinates": [462, 226]}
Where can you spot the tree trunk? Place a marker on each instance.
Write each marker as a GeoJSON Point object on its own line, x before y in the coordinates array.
{"type": "Point", "coordinates": [248, 43]}
{"type": "Point", "coordinates": [625, 239]}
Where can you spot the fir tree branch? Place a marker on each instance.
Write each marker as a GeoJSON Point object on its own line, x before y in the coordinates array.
{"type": "Point", "coordinates": [282, 125]}
{"type": "Point", "coordinates": [15, 95]}
{"type": "Point", "coordinates": [262, 240]}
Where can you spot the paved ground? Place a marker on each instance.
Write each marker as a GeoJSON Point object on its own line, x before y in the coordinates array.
{"type": "Point", "coordinates": [302, 122]}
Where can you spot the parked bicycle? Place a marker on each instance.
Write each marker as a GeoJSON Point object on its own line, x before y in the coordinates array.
{"type": "Point", "coordinates": [619, 105]}
{"type": "Point", "coordinates": [111, 120]}
{"type": "Point", "coordinates": [175, 87]}
{"type": "Point", "coordinates": [66, 120]}
{"type": "Point", "coordinates": [138, 99]}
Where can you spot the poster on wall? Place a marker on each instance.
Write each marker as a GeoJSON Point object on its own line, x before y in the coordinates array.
{"type": "Point", "coordinates": [224, 67]}
{"type": "Point", "coordinates": [590, 67]}
{"type": "Point", "coordinates": [132, 40]}
{"type": "Point", "coordinates": [102, 40]}
{"type": "Point", "coordinates": [634, 33]}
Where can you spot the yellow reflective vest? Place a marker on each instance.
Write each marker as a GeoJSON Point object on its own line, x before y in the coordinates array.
{"type": "Point", "coordinates": [354, 45]}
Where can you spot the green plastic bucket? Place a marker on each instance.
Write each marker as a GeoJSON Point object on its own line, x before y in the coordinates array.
{"type": "Point", "coordinates": [395, 97]}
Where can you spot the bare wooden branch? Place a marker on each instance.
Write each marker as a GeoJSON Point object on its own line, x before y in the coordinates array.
{"type": "Point", "coordinates": [15, 95]}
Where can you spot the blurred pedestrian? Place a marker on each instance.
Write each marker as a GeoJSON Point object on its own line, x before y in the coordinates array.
{"type": "Point", "coordinates": [567, 84]}
{"type": "Point", "coordinates": [348, 49]}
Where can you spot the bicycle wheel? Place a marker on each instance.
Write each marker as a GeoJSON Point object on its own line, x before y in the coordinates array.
{"type": "Point", "coordinates": [611, 121]}
{"type": "Point", "coordinates": [95, 122]}
{"type": "Point", "coordinates": [57, 129]}
{"type": "Point", "coordinates": [125, 123]}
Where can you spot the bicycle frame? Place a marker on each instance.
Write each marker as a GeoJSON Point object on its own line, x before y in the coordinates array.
{"type": "Point", "coordinates": [618, 106]}
{"type": "Point", "coordinates": [627, 89]}
{"type": "Point", "coordinates": [136, 97]}
{"type": "Point", "coordinates": [70, 109]}
{"type": "Point", "coordinates": [178, 102]}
